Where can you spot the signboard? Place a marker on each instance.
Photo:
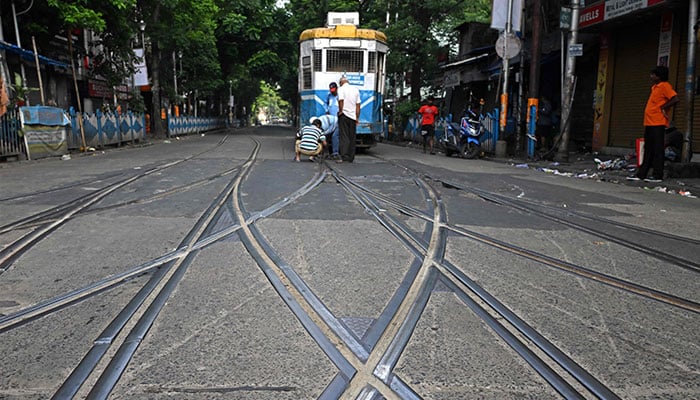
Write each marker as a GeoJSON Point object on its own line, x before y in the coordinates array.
{"type": "Point", "coordinates": [591, 15]}
{"type": "Point", "coordinates": [355, 78]}
{"type": "Point", "coordinates": [609, 9]}
{"type": "Point", "coordinates": [565, 18]}
{"type": "Point", "coordinates": [141, 72]}
{"type": "Point", "coordinates": [507, 46]}
{"type": "Point", "coordinates": [665, 39]}
{"type": "Point", "coordinates": [499, 14]}
{"type": "Point", "coordinates": [451, 78]}
{"type": "Point", "coordinates": [576, 50]}
{"type": "Point", "coordinates": [45, 131]}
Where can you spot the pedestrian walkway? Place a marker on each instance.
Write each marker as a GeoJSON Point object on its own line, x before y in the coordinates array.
{"type": "Point", "coordinates": [683, 179]}
{"type": "Point", "coordinates": [613, 169]}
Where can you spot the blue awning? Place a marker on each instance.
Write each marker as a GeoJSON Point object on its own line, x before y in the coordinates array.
{"type": "Point", "coordinates": [29, 55]}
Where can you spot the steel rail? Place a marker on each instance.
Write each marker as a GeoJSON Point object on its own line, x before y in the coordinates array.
{"type": "Point", "coordinates": [16, 248]}
{"type": "Point", "coordinates": [670, 258]}
{"type": "Point", "coordinates": [158, 290]}
{"type": "Point", "coordinates": [578, 373]}
{"type": "Point", "coordinates": [596, 276]}
{"type": "Point", "coordinates": [62, 301]}
{"type": "Point", "coordinates": [397, 331]}
{"type": "Point", "coordinates": [41, 216]}
{"type": "Point", "coordinates": [556, 381]}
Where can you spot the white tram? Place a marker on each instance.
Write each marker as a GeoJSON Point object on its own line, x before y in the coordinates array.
{"type": "Point", "coordinates": [341, 48]}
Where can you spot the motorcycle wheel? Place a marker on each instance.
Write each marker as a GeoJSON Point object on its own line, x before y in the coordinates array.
{"type": "Point", "coordinates": [471, 151]}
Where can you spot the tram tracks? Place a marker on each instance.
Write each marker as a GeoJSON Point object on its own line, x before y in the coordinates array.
{"type": "Point", "coordinates": [365, 366]}
{"type": "Point", "coordinates": [140, 313]}
{"type": "Point", "coordinates": [43, 223]}
{"type": "Point", "coordinates": [533, 210]}
{"type": "Point", "coordinates": [105, 362]}
{"type": "Point", "coordinates": [482, 303]}
{"type": "Point", "coordinates": [609, 280]}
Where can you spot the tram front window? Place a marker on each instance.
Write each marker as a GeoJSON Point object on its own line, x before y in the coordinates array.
{"type": "Point", "coordinates": [344, 60]}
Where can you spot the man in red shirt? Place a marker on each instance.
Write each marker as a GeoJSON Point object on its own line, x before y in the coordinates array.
{"type": "Point", "coordinates": [428, 113]}
{"type": "Point", "coordinates": [656, 120]}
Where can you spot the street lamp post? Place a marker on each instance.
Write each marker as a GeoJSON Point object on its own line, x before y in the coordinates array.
{"type": "Point", "coordinates": [142, 29]}
{"type": "Point", "coordinates": [230, 102]}
{"type": "Point", "coordinates": [175, 76]}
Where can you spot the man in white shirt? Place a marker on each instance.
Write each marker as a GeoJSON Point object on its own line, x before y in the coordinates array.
{"type": "Point", "coordinates": [348, 119]}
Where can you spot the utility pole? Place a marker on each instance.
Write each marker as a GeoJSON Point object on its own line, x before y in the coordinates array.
{"type": "Point", "coordinates": [690, 79]}
{"type": "Point", "coordinates": [534, 88]}
{"type": "Point", "coordinates": [19, 44]}
{"type": "Point", "coordinates": [570, 84]}
{"type": "Point", "coordinates": [506, 64]}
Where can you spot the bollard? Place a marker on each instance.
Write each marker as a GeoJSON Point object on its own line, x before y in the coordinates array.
{"type": "Point", "coordinates": [501, 148]}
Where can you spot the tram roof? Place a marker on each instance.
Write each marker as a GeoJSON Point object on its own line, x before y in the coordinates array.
{"type": "Point", "coordinates": [342, 31]}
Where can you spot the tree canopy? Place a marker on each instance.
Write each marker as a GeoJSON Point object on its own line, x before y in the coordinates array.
{"type": "Point", "coordinates": [237, 45]}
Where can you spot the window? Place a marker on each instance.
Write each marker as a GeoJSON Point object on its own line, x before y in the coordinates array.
{"type": "Point", "coordinates": [372, 62]}
{"type": "Point", "coordinates": [344, 61]}
{"type": "Point", "coordinates": [306, 78]}
{"type": "Point", "coordinates": [317, 60]}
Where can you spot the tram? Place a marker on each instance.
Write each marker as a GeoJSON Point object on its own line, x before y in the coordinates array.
{"type": "Point", "coordinates": [341, 48]}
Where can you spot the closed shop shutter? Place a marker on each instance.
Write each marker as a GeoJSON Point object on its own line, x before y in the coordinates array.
{"type": "Point", "coordinates": [635, 55]}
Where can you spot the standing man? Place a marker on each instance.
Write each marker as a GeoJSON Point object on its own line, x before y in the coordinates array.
{"type": "Point", "coordinates": [348, 119]}
{"type": "Point", "coordinates": [656, 120]}
{"type": "Point", "coordinates": [543, 133]}
{"type": "Point", "coordinates": [428, 113]}
{"type": "Point", "coordinates": [331, 107]}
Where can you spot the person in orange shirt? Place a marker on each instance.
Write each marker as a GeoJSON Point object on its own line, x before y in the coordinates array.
{"type": "Point", "coordinates": [428, 113]}
{"type": "Point", "coordinates": [656, 120]}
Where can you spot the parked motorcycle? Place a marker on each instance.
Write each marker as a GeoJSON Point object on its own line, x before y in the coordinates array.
{"type": "Point", "coordinates": [464, 138]}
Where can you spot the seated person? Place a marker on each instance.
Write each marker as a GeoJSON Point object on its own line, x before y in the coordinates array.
{"type": "Point", "coordinates": [673, 144]}
{"type": "Point", "coordinates": [310, 141]}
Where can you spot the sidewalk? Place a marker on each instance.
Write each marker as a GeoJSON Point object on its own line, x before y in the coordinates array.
{"type": "Point", "coordinates": [601, 167]}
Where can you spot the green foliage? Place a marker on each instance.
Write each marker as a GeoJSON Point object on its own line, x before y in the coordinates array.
{"type": "Point", "coordinates": [88, 14]}
{"type": "Point", "coordinates": [251, 43]}
{"type": "Point", "coordinates": [270, 103]}
{"type": "Point", "coordinates": [19, 90]}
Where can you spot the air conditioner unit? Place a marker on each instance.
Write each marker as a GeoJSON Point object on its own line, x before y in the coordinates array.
{"type": "Point", "coordinates": [343, 18]}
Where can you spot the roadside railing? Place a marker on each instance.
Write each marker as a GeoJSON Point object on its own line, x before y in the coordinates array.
{"type": "Point", "coordinates": [11, 143]}
{"type": "Point", "coordinates": [105, 128]}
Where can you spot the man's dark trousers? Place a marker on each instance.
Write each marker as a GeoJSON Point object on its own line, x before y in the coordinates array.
{"type": "Point", "coordinates": [348, 131]}
{"type": "Point", "coordinates": [653, 152]}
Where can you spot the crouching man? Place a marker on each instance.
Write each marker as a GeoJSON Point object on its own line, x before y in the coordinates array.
{"type": "Point", "coordinates": [310, 141]}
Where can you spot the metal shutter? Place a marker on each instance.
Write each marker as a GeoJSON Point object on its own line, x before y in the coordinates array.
{"type": "Point", "coordinates": [635, 56]}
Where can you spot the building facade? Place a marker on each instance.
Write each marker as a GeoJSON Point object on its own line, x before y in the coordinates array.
{"type": "Point", "coordinates": [622, 41]}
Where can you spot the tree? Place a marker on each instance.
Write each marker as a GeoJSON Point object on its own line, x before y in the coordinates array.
{"type": "Point", "coordinates": [254, 45]}
{"type": "Point", "coordinates": [269, 102]}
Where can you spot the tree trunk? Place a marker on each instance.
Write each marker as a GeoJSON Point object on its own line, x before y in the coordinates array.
{"type": "Point", "coordinates": [157, 123]}
{"type": "Point", "coordinates": [423, 20]}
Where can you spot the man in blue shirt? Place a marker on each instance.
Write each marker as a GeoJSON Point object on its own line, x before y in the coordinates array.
{"type": "Point", "coordinates": [331, 105]}
{"type": "Point", "coordinates": [329, 126]}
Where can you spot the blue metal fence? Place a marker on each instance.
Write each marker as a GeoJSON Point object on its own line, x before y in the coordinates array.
{"type": "Point", "coordinates": [102, 129]}
{"type": "Point", "coordinates": [186, 124]}
{"type": "Point", "coordinates": [490, 122]}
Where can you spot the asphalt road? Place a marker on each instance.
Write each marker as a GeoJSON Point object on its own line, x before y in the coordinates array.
{"type": "Point", "coordinates": [214, 266]}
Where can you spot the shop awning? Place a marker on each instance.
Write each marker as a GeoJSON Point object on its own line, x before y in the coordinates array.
{"type": "Point", "coordinates": [29, 55]}
{"type": "Point", "coordinates": [473, 56]}
{"type": "Point", "coordinates": [466, 61]}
